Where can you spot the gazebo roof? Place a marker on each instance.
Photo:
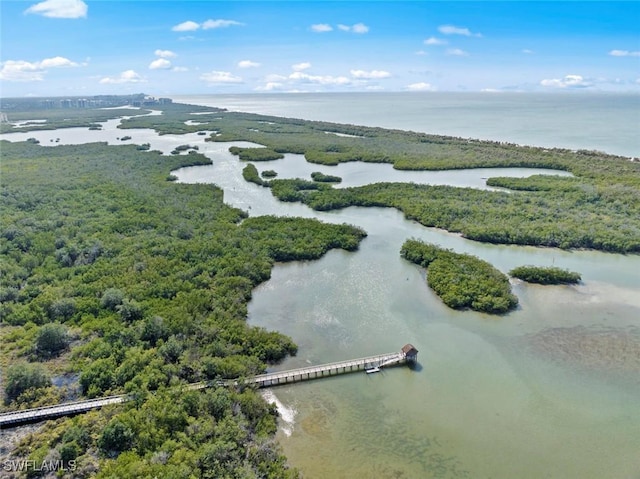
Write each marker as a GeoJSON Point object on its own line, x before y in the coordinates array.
{"type": "Point", "coordinates": [409, 349]}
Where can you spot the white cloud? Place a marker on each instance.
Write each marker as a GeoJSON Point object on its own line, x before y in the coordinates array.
{"type": "Point", "coordinates": [298, 67]}
{"type": "Point", "coordinates": [356, 28]}
{"type": "Point", "coordinates": [20, 70]}
{"type": "Point", "coordinates": [373, 74]}
{"type": "Point", "coordinates": [270, 86]}
{"type": "Point", "coordinates": [422, 86]}
{"type": "Point", "coordinates": [569, 81]}
{"type": "Point", "coordinates": [453, 30]}
{"type": "Point", "coordinates": [435, 41]}
{"type": "Point", "coordinates": [128, 76]}
{"type": "Point", "coordinates": [187, 26]}
{"type": "Point", "coordinates": [248, 64]}
{"type": "Point", "coordinates": [209, 24]}
{"type": "Point", "coordinates": [456, 52]}
{"type": "Point", "coordinates": [57, 62]}
{"type": "Point", "coordinates": [321, 28]}
{"type": "Point", "coordinates": [217, 77]}
{"type": "Point", "coordinates": [179, 69]}
{"type": "Point", "coordinates": [60, 9]}
{"type": "Point", "coordinates": [319, 79]}
{"type": "Point", "coordinates": [624, 53]}
{"type": "Point", "coordinates": [191, 26]}
{"type": "Point", "coordinates": [527, 51]}
{"type": "Point", "coordinates": [165, 54]}
{"type": "Point", "coordinates": [160, 64]}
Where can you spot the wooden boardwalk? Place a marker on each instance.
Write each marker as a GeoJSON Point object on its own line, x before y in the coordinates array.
{"type": "Point", "coordinates": [14, 418]}
{"type": "Point", "coordinates": [324, 370]}
{"type": "Point", "coordinates": [407, 354]}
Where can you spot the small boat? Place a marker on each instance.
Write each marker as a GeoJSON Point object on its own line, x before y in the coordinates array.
{"type": "Point", "coordinates": [372, 370]}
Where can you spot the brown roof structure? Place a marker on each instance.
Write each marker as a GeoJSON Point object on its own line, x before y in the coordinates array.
{"type": "Point", "coordinates": [409, 350]}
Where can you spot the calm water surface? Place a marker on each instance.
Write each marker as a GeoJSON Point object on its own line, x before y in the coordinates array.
{"type": "Point", "coordinates": [550, 390]}
{"type": "Point", "coordinates": [593, 121]}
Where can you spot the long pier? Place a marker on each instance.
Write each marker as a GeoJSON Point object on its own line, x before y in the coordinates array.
{"type": "Point", "coordinates": [408, 354]}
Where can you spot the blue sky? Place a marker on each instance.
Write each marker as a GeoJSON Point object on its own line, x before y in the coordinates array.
{"type": "Point", "coordinates": [76, 47]}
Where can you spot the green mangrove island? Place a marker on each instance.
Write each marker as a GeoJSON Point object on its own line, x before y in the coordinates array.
{"type": "Point", "coordinates": [598, 208]}
{"type": "Point", "coordinates": [545, 275]}
{"type": "Point", "coordinates": [462, 280]}
{"type": "Point", "coordinates": [116, 279]}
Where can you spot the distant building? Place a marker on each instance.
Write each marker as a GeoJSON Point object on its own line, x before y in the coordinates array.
{"type": "Point", "coordinates": [3, 118]}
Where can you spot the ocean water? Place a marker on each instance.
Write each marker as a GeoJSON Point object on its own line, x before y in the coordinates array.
{"type": "Point", "coordinates": [608, 122]}
{"type": "Point", "coordinates": [550, 390]}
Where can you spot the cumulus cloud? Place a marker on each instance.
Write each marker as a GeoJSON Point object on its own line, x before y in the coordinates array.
{"type": "Point", "coordinates": [128, 76]}
{"type": "Point", "coordinates": [218, 77]}
{"type": "Point", "coordinates": [453, 30]}
{"type": "Point", "coordinates": [319, 79]}
{"type": "Point", "coordinates": [165, 54]}
{"type": "Point", "coordinates": [187, 26]}
{"type": "Point", "coordinates": [270, 86]}
{"type": "Point", "coordinates": [422, 86]}
{"type": "Point", "coordinates": [456, 52]}
{"type": "Point", "coordinates": [160, 64]}
{"type": "Point", "coordinates": [210, 24]}
{"type": "Point", "coordinates": [569, 81]}
{"type": "Point", "coordinates": [248, 64]}
{"type": "Point", "coordinates": [191, 26]}
{"type": "Point", "coordinates": [20, 70]}
{"type": "Point", "coordinates": [321, 28]}
{"type": "Point", "coordinates": [179, 69]}
{"type": "Point", "coordinates": [356, 28]}
{"type": "Point", "coordinates": [624, 53]}
{"type": "Point", "coordinates": [59, 9]}
{"type": "Point", "coordinates": [435, 41]}
{"type": "Point", "coordinates": [370, 75]}
{"type": "Point", "coordinates": [298, 67]}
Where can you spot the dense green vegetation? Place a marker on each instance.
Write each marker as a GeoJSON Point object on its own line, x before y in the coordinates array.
{"type": "Point", "coordinates": [461, 280]}
{"type": "Point", "coordinates": [545, 275]}
{"type": "Point", "coordinates": [250, 174]}
{"type": "Point", "coordinates": [321, 177]}
{"type": "Point", "coordinates": [255, 154]}
{"type": "Point", "coordinates": [584, 218]}
{"type": "Point", "coordinates": [269, 174]}
{"type": "Point", "coordinates": [140, 285]}
{"type": "Point", "coordinates": [599, 208]}
{"type": "Point", "coordinates": [63, 118]}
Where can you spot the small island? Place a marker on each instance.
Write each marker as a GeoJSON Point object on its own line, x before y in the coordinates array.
{"type": "Point", "coordinates": [322, 178]}
{"type": "Point", "coordinates": [545, 275]}
{"type": "Point", "coordinates": [461, 280]}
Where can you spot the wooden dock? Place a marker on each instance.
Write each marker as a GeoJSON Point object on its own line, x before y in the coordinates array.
{"type": "Point", "coordinates": [325, 370]}
{"type": "Point", "coordinates": [408, 354]}
{"type": "Point", "coordinates": [15, 418]}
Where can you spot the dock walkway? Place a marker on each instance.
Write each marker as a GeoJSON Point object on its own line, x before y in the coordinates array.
{"type": "Point", "coordinates": [407, 354]}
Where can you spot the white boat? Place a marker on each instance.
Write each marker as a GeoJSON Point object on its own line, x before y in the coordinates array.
{"type": "Point", "coordinates": [372, 370]}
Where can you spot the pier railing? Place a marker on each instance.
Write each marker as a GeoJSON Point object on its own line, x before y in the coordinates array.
{"type": "Point", "coordinates": [371, 363]}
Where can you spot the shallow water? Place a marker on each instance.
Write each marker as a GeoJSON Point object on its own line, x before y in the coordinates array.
{"type": "Point", "coordinates": [502, 397]}
{"type": "Point", "coordinates": [549, 390]}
